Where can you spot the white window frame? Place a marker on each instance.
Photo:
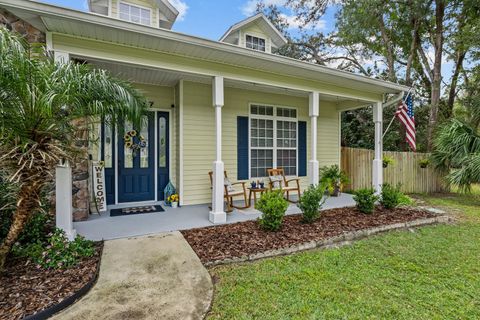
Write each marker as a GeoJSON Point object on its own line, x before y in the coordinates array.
{"type": "Point", "coordinates": [275, 118]}
{"type": "Point", "coordinates": [260, 38]}
{"type": "Point", "coordinates": [138, 6]}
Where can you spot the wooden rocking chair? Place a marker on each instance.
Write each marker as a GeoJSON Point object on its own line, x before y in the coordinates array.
{"type": "Point", "coordinates": [278, 181]}
{"type": "Point", "coordinates": [231, 192]}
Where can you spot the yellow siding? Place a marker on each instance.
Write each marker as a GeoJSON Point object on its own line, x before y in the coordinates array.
{"type": "Point", "coordinates": [143, 3]}
{"type": "Point", "coordinates": [199, 133]}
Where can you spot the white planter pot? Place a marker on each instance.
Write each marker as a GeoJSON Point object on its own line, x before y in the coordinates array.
{"type": "Point", "coordinates": [174, 204]}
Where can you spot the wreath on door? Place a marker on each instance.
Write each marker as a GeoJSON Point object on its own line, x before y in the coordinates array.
{"type": "Point", "coordinates": [134, 141]}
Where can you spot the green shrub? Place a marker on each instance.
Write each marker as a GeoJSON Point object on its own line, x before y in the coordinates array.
{"type": "Point", "coordinates": [273, 207]}
{"type": "Point", "coordinates": [405, 200]}
{"type": "Point", "coordinates": [365, 199]}
{"type": "Point", "coordinates": [37, 228]}
{"type": "Point", "coordinates": [57, 252]}
{"type": "Point", "coordinates": [311, 202]}
{"type": "Point", "coordinates": [391, 196]}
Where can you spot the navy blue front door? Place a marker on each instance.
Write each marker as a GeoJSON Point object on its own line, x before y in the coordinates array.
{"type": "Point", "coordinates": [136, 168]}
{"type": "Point", "coordinates": [163, 153]}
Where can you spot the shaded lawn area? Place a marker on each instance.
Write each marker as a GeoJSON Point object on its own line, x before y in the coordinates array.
{"type": "Point", "coordinates": [430, 273]}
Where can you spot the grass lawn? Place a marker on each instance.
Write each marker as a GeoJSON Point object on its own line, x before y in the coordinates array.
{"type": "Point", "coordinates": [431, 273]}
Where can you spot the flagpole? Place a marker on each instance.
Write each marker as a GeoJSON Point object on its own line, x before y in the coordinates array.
{"type": "Point", "coordinates": [393, 118]}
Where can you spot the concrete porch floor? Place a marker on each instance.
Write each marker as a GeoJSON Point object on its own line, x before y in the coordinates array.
{"type": "Point", "coordinates": [104, 227]}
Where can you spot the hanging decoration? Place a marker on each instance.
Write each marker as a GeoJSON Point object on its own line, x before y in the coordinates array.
{"type": "Point", "coordinates": [134, 141]}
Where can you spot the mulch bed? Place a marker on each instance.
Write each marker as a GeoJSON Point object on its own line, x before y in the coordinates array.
{"type": "Point", "coordinates": [26, 289]}
{"type": "Point", "coordinates": [247, 238]}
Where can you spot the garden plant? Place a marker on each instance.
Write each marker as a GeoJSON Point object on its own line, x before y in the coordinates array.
{"type": "Point", "coordinates": [391, 196]}
{"type": "Point", "coordinates": [311, 202]}
{"type": "Point", "coordinates": [365, 200]}
{"type": "Point", "coordinates": [333, 178]}
{"type": "Point", "coordinates": [40, 106]}
{"type": "Point", "coordinates": [273, 206]}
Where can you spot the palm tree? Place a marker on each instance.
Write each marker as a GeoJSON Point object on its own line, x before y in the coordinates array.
{"type": "Point", "coordinates": [457, 145]}
{"type": "Point", "coordinates": [40, 100]}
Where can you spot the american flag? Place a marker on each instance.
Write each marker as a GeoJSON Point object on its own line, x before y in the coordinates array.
{"type": "Point", "coordinates": [406, 116]}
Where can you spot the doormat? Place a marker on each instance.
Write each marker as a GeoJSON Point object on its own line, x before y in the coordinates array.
{"type": "Point", "coordinates": [135, 210]}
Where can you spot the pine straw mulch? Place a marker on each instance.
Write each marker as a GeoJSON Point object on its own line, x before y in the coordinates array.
{"type": "Point", "coordinates": [26, 289]}
{"type": "Point", "coordinates": [246, 238]}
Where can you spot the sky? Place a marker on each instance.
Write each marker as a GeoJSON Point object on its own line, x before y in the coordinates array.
{"type": "Point", "coordinates": [210, 18]}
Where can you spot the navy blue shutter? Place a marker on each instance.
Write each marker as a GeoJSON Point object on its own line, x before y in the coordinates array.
{"type": "Point", "coordinates": [302, 148]}
{"type": "Point", "coordinates": [242, 148]}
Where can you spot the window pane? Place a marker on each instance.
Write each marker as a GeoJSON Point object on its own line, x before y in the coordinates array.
{"type": "Point", "coordinates": [108, 146]}
{"type": "Point", "coordinates": [261, 161]}
{"type": "Point", "coordinates": [163, 143]}
{"type": "Point", "coordinates": [128, 158]}
{"type": "Point", "coordinates": [144, 154]}
{"type": "Point", "coordinates": [135, 11]}
{"type": "Point", "coordinates": [135, 14]}
{"type": "Point", "coordinates": [124, 8]}
{"type": "Point", "coordinates": [255, 43]}
{"type": "Point", "coordinates": [287, 159]}
{"type": "Point", "coordinates": [286, 134]}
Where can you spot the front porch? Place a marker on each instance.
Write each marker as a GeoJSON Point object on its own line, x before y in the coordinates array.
{"type": "Point", "coordinates": [187, 217]}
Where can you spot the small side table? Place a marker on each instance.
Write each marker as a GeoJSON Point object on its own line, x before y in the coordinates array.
{"type": "Point", "coordinates": [254, 191]}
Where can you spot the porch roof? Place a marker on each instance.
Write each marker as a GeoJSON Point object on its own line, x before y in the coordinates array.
{"type": "Point", "coordinates": [59, 20]}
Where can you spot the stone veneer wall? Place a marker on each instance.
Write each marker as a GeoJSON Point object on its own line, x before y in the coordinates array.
{"type": "Point", "coordinates": [81, 195]}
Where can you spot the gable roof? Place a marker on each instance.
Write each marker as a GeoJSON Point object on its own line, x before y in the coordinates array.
{"type": "Point", "coordinates": [84, 25]}
{"type": "Point", "coordinates": [168, 13]}
{"type": "Point", "coordinates": [278, 40]}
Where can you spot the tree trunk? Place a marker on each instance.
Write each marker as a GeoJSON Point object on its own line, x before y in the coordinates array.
{"type": "Point", "coordinates": [437, 72]}
{"type": "Point", "coordinates": [453, 85]}
{"type": "Point", "coordinates": [28, 202]}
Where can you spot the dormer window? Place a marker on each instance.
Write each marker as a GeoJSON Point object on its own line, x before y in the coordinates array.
{"type": "Point", "coordinates": [255, 43]}
{"type": "Point", "coordinates": [136, 14]}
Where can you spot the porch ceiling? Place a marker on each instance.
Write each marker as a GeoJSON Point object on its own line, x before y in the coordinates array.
{"type": "Point", "coordinates": [168, 78]}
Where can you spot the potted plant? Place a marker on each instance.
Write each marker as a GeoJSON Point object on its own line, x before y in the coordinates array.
{"type": "Point", "coordinates": [387, 160]}
{"type": "Point", "coordinates": [173, 199]}
{"type": "Point", "coordinates": [334, 179]}
{"type": "Point", "coordinates": [424, 163]}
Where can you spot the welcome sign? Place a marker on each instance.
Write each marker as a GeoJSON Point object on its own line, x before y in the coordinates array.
{"type": "Point", "coordinates": [99, 186]}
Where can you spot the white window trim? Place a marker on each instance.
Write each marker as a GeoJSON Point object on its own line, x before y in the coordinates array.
{"type": "Point", "coordinates": [275, 118]}
{"type": "Point", "coordinates": [258, 37]}
{"type": "Point", "coordinates": [138, 6]}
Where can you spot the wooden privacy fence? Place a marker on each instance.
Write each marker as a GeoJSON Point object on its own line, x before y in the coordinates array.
{"type": "Point", "coordinates": [406, 170]}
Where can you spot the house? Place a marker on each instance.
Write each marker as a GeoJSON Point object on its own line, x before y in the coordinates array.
{"type": "Point", "coordinates": [231, 104]}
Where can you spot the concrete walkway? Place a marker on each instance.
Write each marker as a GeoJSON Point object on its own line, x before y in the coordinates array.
{"type": "Point", "coordinates": [153, 277]}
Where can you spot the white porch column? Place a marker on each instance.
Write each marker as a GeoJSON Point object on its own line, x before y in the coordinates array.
{"type": "Point", "coordinates": [218, 215]}
{"type": "Point", "coordinates": [313, 174]}
{"type": "Point", "coordinates": [63, 182]}
{"type": "Point", "coordinates": [63, 199]}
{"type": "Point", "coordinates": [377, 169]}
